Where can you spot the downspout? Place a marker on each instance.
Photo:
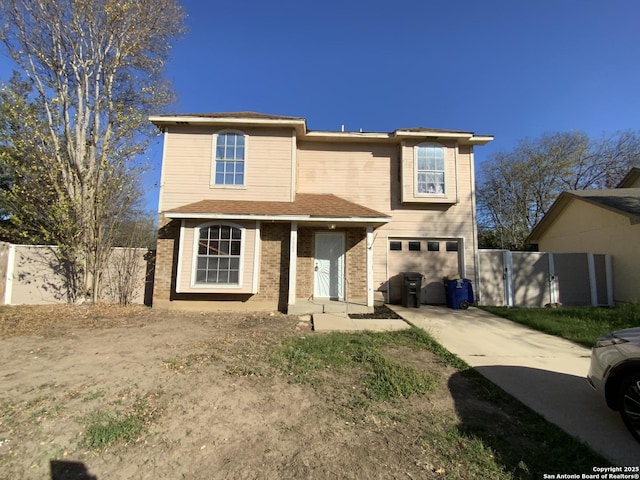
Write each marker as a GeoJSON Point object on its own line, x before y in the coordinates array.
{"type": "Point", "coordinates": [476, 260]}
{"type": "Point", "coordinates": [294, 166]}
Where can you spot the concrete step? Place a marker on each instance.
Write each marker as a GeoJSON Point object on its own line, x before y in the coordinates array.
{"type": "Point", "coordinates": [329, 322]}
{"type": "Point", "coordinates": [306, 307]}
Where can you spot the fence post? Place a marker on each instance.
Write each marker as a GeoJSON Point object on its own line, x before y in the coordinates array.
{"type": "Point", "coordinates": [8, 283]}
{"type": "Point", "coordinates": [507, 265]}
{"type": "Point", "coordinates": [593, 284]}
{"type": "Point", "coordinates": [608, 265]}
{"type": "Point", "coordinates": [554, 293]}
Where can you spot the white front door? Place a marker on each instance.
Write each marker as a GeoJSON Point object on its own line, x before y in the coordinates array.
{"type": "Point", "coordinates": [329, 266]}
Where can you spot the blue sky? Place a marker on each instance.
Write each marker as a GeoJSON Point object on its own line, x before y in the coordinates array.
{"type": "Point", "coordinates": [509, 68]}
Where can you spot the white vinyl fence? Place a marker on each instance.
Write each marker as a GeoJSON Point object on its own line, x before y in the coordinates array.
{"type": "Point", "coordinates": [30, 275]}
{"type": "Point", "coordinates": [537, 279]}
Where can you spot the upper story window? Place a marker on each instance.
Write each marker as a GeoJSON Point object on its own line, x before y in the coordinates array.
{"type": "Point", "coordinates": [430, 169]}
{"type": "Point", "coordinates": [229, 159]}
{"type": "Point", "coordinates": [218, 256]}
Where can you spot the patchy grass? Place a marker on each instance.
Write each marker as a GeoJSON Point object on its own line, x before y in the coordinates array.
{"type": "Point", "coordinates": [380, 378]}
{"type": "Point", "coordinates": [178, 364]}
{"type": "Point", "coordinates": [107, 427]}
{"type": "Point", "coordinates": [492, 436]}
{"type": "Point", "coordinates": [96, 394]}
{"type": "Point", "coordinates": [258, 394]}
{"type": "Point", "coordinates": [582, 325]}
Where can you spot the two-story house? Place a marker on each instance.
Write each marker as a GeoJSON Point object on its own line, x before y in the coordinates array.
{"type": "Point", "coordinates": [258, 212]}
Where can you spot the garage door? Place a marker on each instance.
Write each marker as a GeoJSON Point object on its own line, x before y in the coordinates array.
{"type": "Point", "coordinates": [433, 258]}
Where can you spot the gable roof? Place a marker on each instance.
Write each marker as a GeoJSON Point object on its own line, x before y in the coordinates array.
{"type": "Point", "coordinates": [306, 207]}
{"type": "Point", "coordinates": [622, 201]}
{"type": "Point", "coordinates": [299, 124]}
{"type": "Point", "coordinates": [625, 201]}
{"type": "Point", "coordinates": [630, 178]}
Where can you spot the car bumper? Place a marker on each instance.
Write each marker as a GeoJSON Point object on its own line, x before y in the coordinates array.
{"type": "Point", "coordinates": [603, 359]}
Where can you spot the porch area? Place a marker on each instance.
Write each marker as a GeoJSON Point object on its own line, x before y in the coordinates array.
{"type": "Point", "coordinates": [311, 306]}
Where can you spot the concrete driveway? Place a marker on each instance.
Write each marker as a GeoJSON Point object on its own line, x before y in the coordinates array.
{"type": "Point", "coordinates": [544, 372]}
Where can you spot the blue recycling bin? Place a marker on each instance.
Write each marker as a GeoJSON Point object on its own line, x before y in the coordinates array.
{"type": "Point", "coordinates": [459, 293]}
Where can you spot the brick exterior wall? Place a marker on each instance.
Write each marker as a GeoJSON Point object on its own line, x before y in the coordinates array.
{"type": "Point", "coordinates": [166, 258]}
{"type": "Point", "coordinates": [356, 263]}
{"type": "Point", "coordinates": [274, 264]}
{"type": "Point", "coordinates": [304, 265]}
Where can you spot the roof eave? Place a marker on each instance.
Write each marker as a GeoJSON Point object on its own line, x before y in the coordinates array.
{"type": "Point", "coordinates": [550, 216]}
{"type": "Point", "coordinates": [630, 178]}
{"type": "Point", "coordinates": [283, 218]}
{"type": "Point", "coordinates": [465, 138]}
{"type": "Point", "coordinates": [300, 126]}
{"type": "Point", "coordinates": [163, 121]}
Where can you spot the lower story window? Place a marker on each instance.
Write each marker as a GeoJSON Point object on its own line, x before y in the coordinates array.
{"type": "Point", "coordinates": [218, 258]}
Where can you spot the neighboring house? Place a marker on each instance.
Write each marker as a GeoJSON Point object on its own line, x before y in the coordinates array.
{"type": "Point", "coordinates": [599, 221]}
{"type": "Point", "coordinates": [258, 212]}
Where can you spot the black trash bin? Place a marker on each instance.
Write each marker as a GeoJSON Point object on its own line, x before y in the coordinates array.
{"type": "Point", "coordinates": [411, 284]}
{"type": "Point", "coordinates": [459, 293]}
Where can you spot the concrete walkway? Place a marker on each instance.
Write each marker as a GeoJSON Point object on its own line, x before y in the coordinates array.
{"type": "Point", "coordinates": [330, 322]}
{"type": "Point", "coordinates": [544, 372]}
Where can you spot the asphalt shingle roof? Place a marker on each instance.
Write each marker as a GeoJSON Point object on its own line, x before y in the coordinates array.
{"type": "Point", "coordinates": [305, 204]}
{"type": "Point", "coordinates": [624, 200]}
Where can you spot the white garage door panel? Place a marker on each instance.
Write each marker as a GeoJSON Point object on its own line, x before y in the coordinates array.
{"type": "Point", "coordinates": [434, 265]}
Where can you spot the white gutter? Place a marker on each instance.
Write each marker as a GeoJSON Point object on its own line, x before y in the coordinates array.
{"type": "Point", "coordinates": [280, 218]}
{"type": "Point", "coordinates": [294, 167]}
{"type": "Point", "coordinates": [189, 120]}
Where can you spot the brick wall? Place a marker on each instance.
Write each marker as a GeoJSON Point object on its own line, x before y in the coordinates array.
{"type": "Point", "coordinates": [274, 264]}
{"type": "Point", "coordinates": [166, 258]}
{"type": "Point", "coordinates": [304, 267]}
{"type": "Point", "coordinates": [356, 263]}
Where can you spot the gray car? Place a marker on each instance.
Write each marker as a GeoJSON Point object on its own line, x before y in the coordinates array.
{"type": "Point", "coordinates": [615, 373]}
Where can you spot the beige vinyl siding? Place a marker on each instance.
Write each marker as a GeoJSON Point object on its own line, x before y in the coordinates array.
{"type": "Point", "coordinates": [409, 194]}
{"type": "Point", "coordinates": [184, 282]}
{"type": "Point", "coordinates": [369, 174]}
{"type": "Point", "coordinates": [582, 227]}
{"type": "Point", "coordinates": [188, 164]}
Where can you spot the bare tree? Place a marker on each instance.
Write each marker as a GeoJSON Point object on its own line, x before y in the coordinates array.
{"type": "Point", "coordinates": [95, 68]}
{"type": "Point", "coordinates": [127, 263]}
{"type": "Point", "coordinates": [518, 188]}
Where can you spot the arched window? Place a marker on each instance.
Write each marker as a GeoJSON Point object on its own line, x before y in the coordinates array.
{"type": "Point", "coordinates": [229, 159]}
{"type": "Point", "coordinates": [218, 255]}
{"type": "Point", "coordinates": [430, 178]}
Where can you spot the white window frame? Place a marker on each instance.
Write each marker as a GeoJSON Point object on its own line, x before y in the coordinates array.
{"type": "Point", "coordinates": [417, 171]}
{"type": "Point", "coordinates": [214, 160]}
{"type": "Point", "coordinates": [194, 266]}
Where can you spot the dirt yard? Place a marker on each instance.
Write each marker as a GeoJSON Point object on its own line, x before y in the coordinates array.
{"type": "Point", "coordinates": [208, 402]}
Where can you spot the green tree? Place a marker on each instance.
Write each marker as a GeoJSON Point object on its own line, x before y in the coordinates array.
{"type": "Point", "coordinates": [517, 188]}
{"type": "Point", "coordinates": [93, 72]}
